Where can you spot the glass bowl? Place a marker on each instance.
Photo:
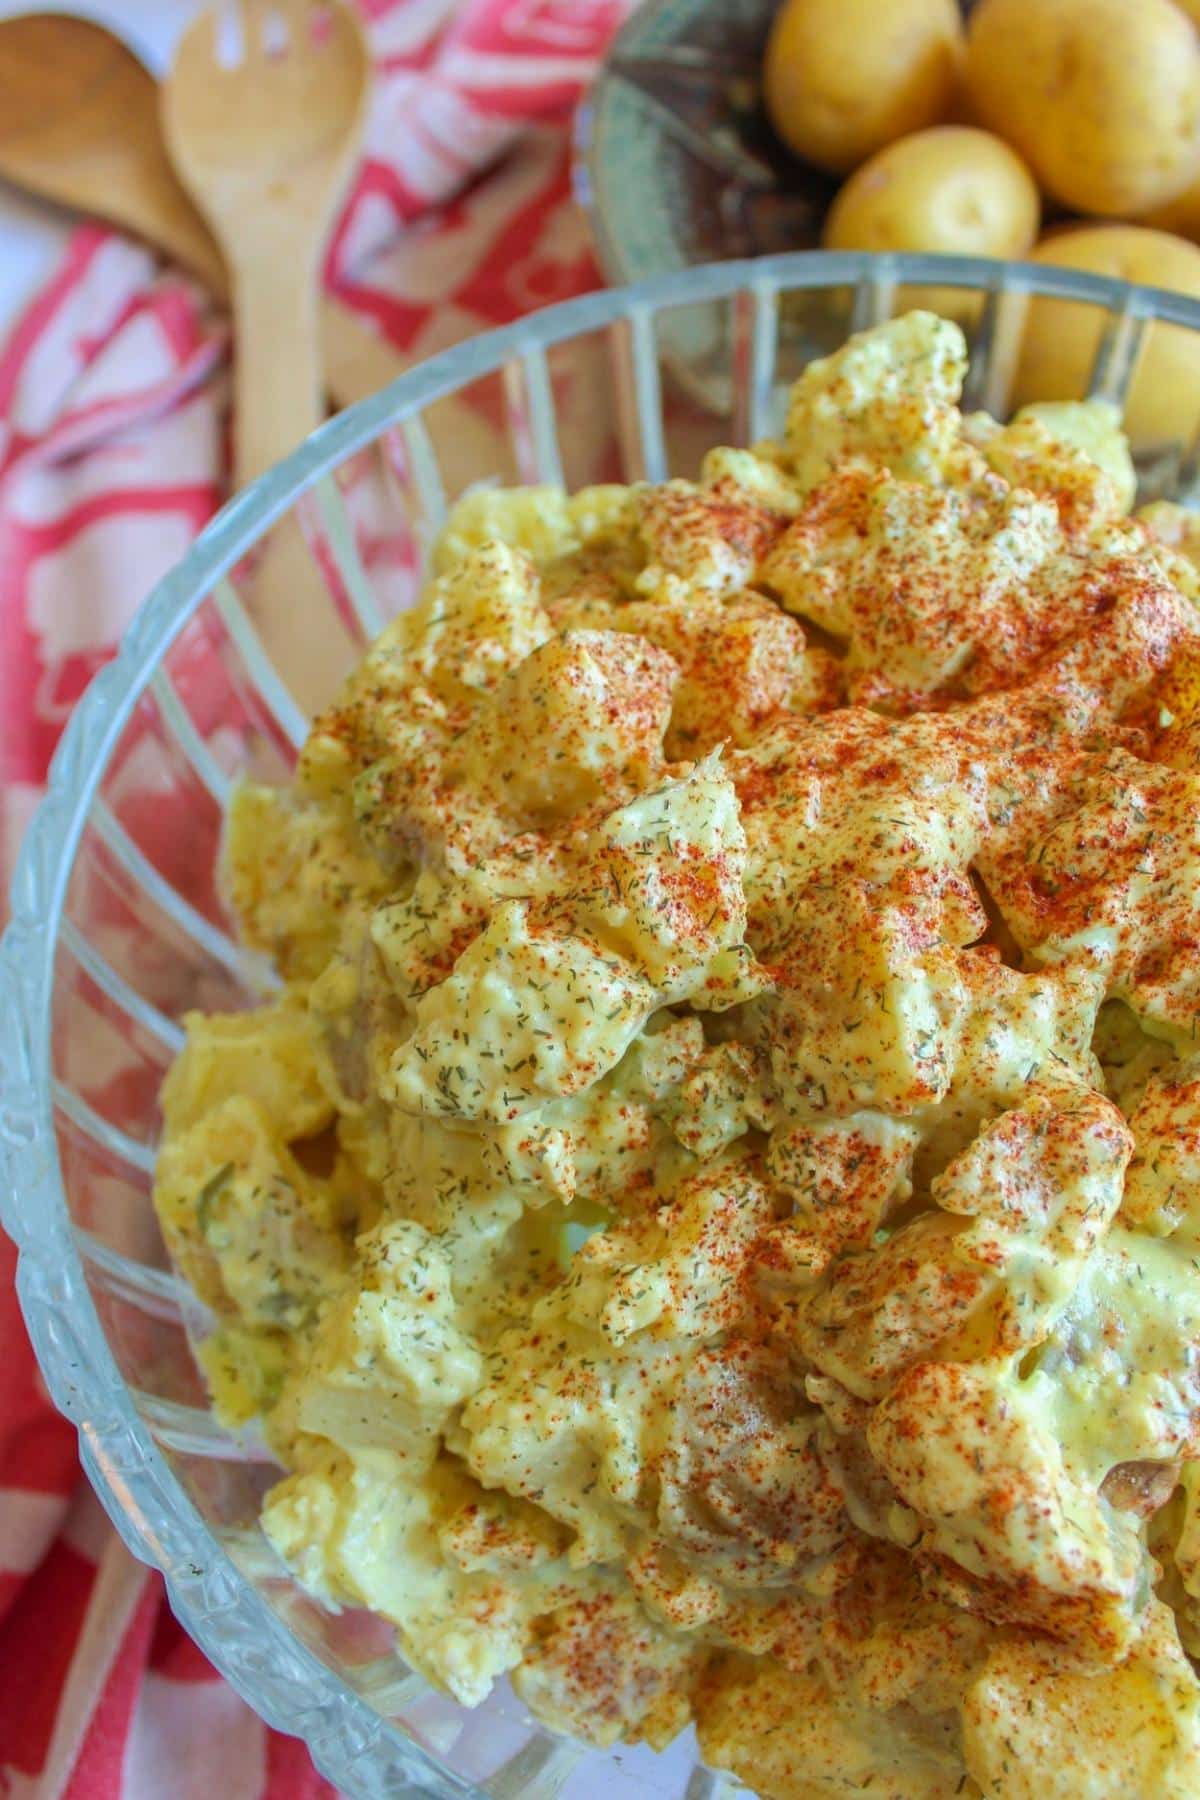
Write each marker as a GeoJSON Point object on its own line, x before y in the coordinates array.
{"type": "Point", "coordinates": [117, 928]}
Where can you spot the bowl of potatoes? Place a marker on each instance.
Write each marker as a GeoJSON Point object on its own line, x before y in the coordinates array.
{"type": "Point", "coordinates": [1064, 132]}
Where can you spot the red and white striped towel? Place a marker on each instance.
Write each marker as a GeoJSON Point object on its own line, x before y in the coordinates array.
{"type": "Point", "coordinates": [113, 433]}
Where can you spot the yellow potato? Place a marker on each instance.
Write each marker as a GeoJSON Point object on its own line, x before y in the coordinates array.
{"type": "Point", "coordinates": [844, 77]}
{"type": "Point", "coordinates": [949, 188]}
{"type": "Point", "coordinates": [1101, 97]}
{"type": "Point", "coordinates": [1181, 215]}
{"type": "Point", "coordinates": [1061, 336]}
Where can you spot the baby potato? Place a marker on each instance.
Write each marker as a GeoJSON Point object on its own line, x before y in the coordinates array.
{"type": "Point", "coordinates": [1061, 336]}
{"type": "Point", "coordinates": [1101, 97]}
{"type": "Point", "coordinates": [844, 77]}
{"type": "Point", "coordinates": [950, 188]}
{"type": "Point", "coordinates": [1181, 215]}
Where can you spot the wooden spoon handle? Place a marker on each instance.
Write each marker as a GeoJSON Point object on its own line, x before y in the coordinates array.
{"type": "Point", "coordinates": [355, 359]}
{"type": "Point", "coordinates": [277, 402]}
{"type": "Point", "coordinates": [296, 619]}
{"type": "Point", "coordinates": [276, 360]}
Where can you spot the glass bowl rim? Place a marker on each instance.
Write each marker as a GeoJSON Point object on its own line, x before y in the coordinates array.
{"type": "Point", "coordinates": [141, 1495]}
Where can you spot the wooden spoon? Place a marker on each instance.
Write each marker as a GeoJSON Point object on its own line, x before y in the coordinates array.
{"type": "Point", "coordinates": [263, 133]}
{"type": "Point", "coordinates": [79, 125]}
{"type": "Point", "coordinates": [265, 145]}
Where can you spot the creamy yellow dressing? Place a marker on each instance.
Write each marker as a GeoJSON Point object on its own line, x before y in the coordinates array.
{"type": "Point", "coordinates": [710, 1225]}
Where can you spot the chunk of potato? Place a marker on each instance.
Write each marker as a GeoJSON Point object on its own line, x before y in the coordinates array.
{"type": "Point", "coordinates": [1035, 1728]}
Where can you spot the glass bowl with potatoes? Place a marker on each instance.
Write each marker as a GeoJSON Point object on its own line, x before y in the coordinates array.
{"type": "Point", "coordinates": [1062, 131]}
{"type": "Point", "coordinates": [614, 1210]}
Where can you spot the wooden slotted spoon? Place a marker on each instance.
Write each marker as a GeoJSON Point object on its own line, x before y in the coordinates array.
{"type": "Point", "coordinates": [265, 145]}
{"type": "Point", "coordinates": [80, 126]}
{"type": "Point", "coordinates": [263, 132]}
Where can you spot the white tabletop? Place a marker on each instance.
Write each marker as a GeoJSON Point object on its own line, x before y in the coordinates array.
{"type": "Point", "coordinates": [32, 233]}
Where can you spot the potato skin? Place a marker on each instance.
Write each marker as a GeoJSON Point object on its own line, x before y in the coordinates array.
{"type": "Point", "coordinates": [950, 188]}
{"type": "Point", "coordinates": [844, 77]}
{"type": "Point", "coordinates": [1180, 216]}
{"type": "Point", "coordinates": [1101, 97]}
{"type": "Point", "coordinates": [1061, 336]}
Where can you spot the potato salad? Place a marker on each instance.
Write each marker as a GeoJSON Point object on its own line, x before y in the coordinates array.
{"type": "Point", "coordinates": [710, 1224]}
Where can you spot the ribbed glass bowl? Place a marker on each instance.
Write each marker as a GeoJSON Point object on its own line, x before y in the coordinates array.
{"type": "Point", "coordinates": [117, 927]}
